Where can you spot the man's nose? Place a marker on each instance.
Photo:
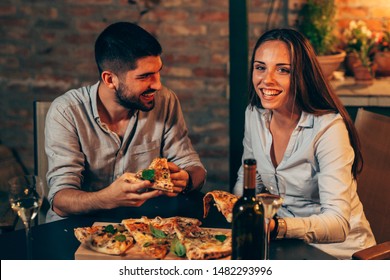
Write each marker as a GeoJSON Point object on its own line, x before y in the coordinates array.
{"type": "Point", "coordinates": [156, 83]}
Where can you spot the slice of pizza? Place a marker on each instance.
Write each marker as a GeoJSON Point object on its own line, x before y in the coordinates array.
{"type": "Point", "coordinates": [207, 244]}
{"type": "Point", "coordinates": [153, 236]}
{"type": "Point", "coordinates": [158, 173]}
{"type": "Point", "coordinates": [197, 243]}
{"type": "Point", "coordinates": [110, 239]}
{"type": "Point", "coordinates": [224, 201]}
{"type": "Point", "coordinates": [186, 227]}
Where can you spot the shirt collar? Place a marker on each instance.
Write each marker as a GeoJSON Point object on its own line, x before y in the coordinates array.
{"type": "Point", "coordinates": [306, 119]}
{"type": "Point", "coordinates": [93, 96]}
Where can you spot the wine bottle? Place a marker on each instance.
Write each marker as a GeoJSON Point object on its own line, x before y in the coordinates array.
{"type": "Point", "coordinates": [248, 233]}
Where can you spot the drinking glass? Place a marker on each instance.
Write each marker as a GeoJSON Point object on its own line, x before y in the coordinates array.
{"type": "Point", "coordinates": [271, 192]}
{"type": "Point", "coordinates": [25, 196]}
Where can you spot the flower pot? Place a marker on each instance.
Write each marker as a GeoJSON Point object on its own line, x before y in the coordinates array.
{"type": "Point", "coordinates": [330, 63]}
{"type": "Point", "coordinates": [382, 61]}
{"type": "Point", "coordinates": [363, 75]}
{"type": "Point", "coordinates": [350, 60]}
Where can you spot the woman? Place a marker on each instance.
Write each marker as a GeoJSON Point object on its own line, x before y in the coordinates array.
{"type": "Point", "coordinates": [296, 126]}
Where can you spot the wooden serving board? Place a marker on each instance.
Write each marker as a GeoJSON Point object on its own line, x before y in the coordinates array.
{"type": "Point", "coordinates": [134, 253]}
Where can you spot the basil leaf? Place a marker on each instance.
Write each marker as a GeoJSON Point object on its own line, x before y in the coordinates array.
{"type": "Point", "coordinates": [156, 232]}
{"type": "Point", "coordinates": [146, 244]}
{"type": "Point", "coordinates": [177, 248]}
{"type": "Point", "coordinates": [220, 237]}
{"type": "Point", "coordinates": [148, 174]}
{"type": "Point", "coordinates": [110, 229]}
{"type": "Point", "coordinates": [120, 238]}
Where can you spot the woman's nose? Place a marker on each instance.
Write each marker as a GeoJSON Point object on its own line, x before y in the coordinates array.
{"type": "Point", "coordinates": [268, 76]}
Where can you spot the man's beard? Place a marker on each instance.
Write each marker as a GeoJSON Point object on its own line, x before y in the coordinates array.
{"type": "Point", "coordinates": [132, 103]}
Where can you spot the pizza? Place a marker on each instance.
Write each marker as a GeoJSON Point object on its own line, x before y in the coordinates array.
{"type": "Point", "coordinates": [158, 173]}
{"type": "Point", "coordinates": [181, 235]}
{"type": "Point", "coordinates": [207, 244]}
{"type": "Point", "coordinates": [151, 235]}
{"type": "Point", "coordinates": [224, 201]}
{"type": "Point", "coordinates": [110, 239]}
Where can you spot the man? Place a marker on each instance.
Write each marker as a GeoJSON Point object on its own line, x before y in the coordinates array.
{"type": "Point", "coordinates": [97, 133]}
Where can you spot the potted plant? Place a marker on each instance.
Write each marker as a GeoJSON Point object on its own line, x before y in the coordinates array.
{"type": "Point", "coordinates": [360, 45]}
{"type": "Point", "coordinates": [316, 21]}
{"type": "Point", "coordinates": [382, 53]}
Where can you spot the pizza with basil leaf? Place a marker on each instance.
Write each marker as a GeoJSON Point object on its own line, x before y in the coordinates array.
{"type": "Point", "coordinates": [158, 173]}
{"type": "Point", "coordinates": [110, 239]}
{"type": "Point", "coordinates": [180, 235]}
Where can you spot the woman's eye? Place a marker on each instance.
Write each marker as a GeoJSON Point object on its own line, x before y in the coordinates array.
{"type": "Point", "coordinates": [284, 70]}
{"type": "Point", "coordinates": [259, 67]}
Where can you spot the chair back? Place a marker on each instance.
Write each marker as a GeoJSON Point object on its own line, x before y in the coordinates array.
{"type": "Point", "coordinates": [374, 181]}
{"type": "Point", "coordinates": [40, 158]}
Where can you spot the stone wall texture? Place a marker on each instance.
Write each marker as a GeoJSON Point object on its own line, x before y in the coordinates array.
{"type": "Point", "coordinates": [46, 48]}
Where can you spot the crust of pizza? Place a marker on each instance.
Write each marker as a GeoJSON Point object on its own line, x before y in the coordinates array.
{"type": "Point", "coordinates": [131, 178]}
{"type": "Point", "coordinates": [224, 201]}
{"type": "Point", "coordinates": [97, 239]}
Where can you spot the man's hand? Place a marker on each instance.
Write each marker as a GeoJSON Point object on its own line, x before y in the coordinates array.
{"type": "Point", "coordinates": [122, 192]}
{"type": "Point", "coordinates": [179, 177]}
{"type": "Point", "coordinates": [125, 192]}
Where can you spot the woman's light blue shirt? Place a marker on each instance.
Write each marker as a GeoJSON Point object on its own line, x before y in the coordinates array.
{"type": "Point", "coordinates": [321, 203]}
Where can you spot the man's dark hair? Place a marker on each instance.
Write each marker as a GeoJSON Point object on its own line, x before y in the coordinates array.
{"type": "Point", "coordinates": [121, 44]}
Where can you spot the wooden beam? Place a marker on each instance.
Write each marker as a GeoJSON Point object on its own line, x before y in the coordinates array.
{"type": "Point", "coordinates": [238, 80]}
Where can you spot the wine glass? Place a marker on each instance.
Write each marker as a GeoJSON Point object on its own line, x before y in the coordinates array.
{"type": "Point", "coordinates": [271, 192]}
{"type": "Point", "coordinates": [25, 196]}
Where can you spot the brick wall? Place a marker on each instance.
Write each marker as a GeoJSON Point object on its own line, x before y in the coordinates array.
{"type": "Point", "coordinates": [47, 48]}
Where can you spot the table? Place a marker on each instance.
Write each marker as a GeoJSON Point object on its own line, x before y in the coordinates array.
{"type": "Point", "coordinates": [56, 241]}
{"type": "Point", "coordinates": [375, 95]}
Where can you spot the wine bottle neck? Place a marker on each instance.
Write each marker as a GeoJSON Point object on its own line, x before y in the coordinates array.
{"type": "Point", "coordinates": [249, 192]}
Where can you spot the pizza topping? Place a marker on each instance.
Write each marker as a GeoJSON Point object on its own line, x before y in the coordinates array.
{"type": "Point", "coordinates": [110, 229]}
{"type": "Point", "coordinates": [120, 238]}
{"type": "Point", "coordinates": [148, 174]}
{"type": "Point", "coordinates": [177, 248]}
{"type": "Point", "coordinates": [220, 237]}
{"type": "Point", "coordinates": [156, 232]}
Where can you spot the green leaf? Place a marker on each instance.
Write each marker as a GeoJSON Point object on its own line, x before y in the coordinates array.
{"type": "Point", "coordinates": [148, 174]}
{"type": "Point", "coordinates": [120, 238]}
{"type": "Point", "coordinates": [146, 244]}
{"type": "Point", "coordinates": [220, 237]}
{"type": "Point", "coordinates": [156, 232]}
{"type": "Point", "coordinates": [110, 229]}
{"type": "Point", "coordinates": [177, 248]}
